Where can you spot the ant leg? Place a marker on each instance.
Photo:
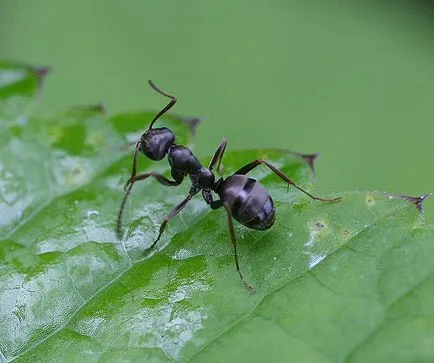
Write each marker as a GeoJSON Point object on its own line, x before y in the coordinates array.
{"type": "Point", "coordinates": [218, 156]}
{"type": "Point", "coordinates": [121, 212]}
{"type": "Point", "coordinates": [172, 214]}
{"type": "Point", "coordinates": [245, 169]}
{"type": "Point", "coordinates": [234, 243]}
{"type": "Point", "coordinates": [127, 189]}
{"type": "Point", "coordinates": [129, 185]}
{"type": "Point", "coordinates": [216, 204]}
{"type": "Point", "coordinates": [160, 178]}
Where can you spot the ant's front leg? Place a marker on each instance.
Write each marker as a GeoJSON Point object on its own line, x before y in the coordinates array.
{"type": "Point", "coordinates": [160, 178]}
{"type": "Point", "coordinates": [129, 186]}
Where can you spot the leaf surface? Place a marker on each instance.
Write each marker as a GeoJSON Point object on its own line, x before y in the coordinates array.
{"type": "Point", "coordinates": [335, 282]}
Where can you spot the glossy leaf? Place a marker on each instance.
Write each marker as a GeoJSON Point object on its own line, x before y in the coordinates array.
{"type": "Point", "coordinates": [345, 281]}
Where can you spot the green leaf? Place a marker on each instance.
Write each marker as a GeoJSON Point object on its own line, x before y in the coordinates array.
{"type": "Point", "coordinates": [346, 281]}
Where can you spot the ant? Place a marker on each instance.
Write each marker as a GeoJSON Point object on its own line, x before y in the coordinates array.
{"type": "Point", "coordinates": [244, 199]}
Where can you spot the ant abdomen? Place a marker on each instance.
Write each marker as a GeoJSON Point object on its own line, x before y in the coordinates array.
{"type": "Point", "coordinates": [250, 202]}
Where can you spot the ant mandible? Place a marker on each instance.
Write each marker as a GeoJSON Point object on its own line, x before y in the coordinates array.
{"type": "Point", "coordinates": [244, 199]}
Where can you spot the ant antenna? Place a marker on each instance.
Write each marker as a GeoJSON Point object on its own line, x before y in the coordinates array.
{"type": "Point", "coordinates": [165, 109]}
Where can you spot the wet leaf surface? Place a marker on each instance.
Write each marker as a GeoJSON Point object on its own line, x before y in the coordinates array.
{"type": "Point", "coordinates": [346, 281]}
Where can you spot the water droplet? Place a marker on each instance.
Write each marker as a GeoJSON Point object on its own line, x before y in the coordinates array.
{"type": "Point", "coordinates": [91, 213]}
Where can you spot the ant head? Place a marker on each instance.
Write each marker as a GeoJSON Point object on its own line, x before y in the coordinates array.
{"type": "Point", "coordinates": [155, 143]}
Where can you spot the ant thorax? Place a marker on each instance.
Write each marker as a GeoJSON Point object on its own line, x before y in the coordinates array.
{"type": "Point", "coordinates": [182, 159]}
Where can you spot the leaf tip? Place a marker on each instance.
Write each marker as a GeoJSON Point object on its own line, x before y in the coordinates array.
{"type": "Point", "coordinates": [99, 108]}
{"type": "Point", "coordinates": [310, 159]}
{"type": "Point", "coordinates": [40, 73]}
{"type": "Point", "coordinates": [417, 201]}
{"type": "Point", "coordinates": [192, 124]}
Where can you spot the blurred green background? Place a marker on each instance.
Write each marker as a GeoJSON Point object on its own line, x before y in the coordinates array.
{"type": "Point", "coordinates": [352, 80]}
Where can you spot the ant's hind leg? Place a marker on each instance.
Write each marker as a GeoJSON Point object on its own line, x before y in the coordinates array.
{"type": "Point", "coordinates": [234, 244]}
{"type": "Point", "coordinates": [250, 166]}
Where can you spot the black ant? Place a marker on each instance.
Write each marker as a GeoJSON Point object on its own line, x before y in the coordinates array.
{"type": "Point", "coordinates": [243, 198]}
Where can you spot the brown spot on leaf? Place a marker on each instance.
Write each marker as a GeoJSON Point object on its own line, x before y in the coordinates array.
{"type": "Point", "coordinates": [76, 171]}
{"type": "Point", "coordinates": [370, 201]}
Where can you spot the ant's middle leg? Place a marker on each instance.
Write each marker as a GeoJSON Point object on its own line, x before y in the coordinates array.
{"type": "Point", "coordinates": [250, 166]}
{"type": "Point", "coordinates": [172, 214]}
{"type": "Point", "coordinates": [218, 156]}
